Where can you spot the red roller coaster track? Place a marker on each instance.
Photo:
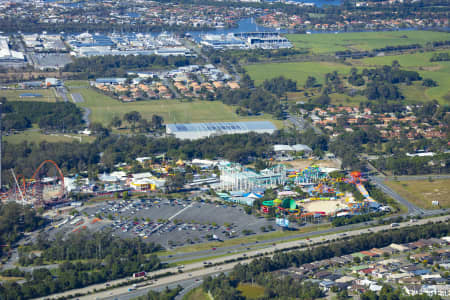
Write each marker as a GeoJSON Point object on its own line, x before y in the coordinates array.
{"type": "Point", "coordinates": [34, 178]}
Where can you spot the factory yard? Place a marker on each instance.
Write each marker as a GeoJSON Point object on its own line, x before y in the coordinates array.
{"type": "Point", "coordinates": [169, 223]}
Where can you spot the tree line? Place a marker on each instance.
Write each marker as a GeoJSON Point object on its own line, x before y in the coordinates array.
{"type": "Point", "coordinates": [16, 219]}
{"type": "Point", "coordinates": [104, 258]}
{"type": "Point", "coordinates": [87, 245]}
{"type": "Point", "coordinates": [402, 164]}
{"type": "Point", "coordinates": [20, 115]}
{"type": "Point", "coordinates": [76, 157]}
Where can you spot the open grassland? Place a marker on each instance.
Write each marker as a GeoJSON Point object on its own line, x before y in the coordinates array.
{"type": "Point", "coordinates": [251, 291]}
{"type": "Point", "coordinates": [422, 192]}
{"type": "Point", "coordinates": [104, 108]}
{"type": "Point", "coordinates": [37, 137]}
{"type": "Point", "coordinates": [76, 83]}
{"type": "Point", "coordinates": [420, 62]}
{"type": "Point", "coordinates": [197, 294]}
{"type": "Point", "coordinates": [48, 95]}
{"type": "Point", "coordinates": [330, 42]}
{"type": "Point", "coordinates": [298, 71]}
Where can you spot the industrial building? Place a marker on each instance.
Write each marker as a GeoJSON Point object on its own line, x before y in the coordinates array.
{"type": "Point", "coordinates": [8, 55]}
{"type": "Point", "coordinates": [201, 130]}
{"type": "Point", "coordinates": [246, 40]}
{"type": "Point", "coordinates": [87, 44]}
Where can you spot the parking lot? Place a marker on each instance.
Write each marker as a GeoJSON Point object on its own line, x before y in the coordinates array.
{"type": "Point", "coordinates": [170, 223]}
{"type": "Point", "coordinates": [50, 60]}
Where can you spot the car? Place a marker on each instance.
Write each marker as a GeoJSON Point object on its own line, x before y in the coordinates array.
{"type": "Point", "coordinates": [214, 248]}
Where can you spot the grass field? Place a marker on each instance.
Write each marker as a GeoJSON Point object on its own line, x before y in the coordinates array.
{"type": "Point", "coordinates": [422, 192]}
{"type": "Point", "coordinates": [48, 95]}
{"type": "Point", "coordinates": [420, 62]}
{"type": "Point", "coordinates": [250, 291]}
{"type": "Point", "coordinates": [330, 43]}
{"type": "Point", "coordinates": [76, 83]}
{"type": "Point", "coordinates": [298, 71]}
{"type": "Point", "coordinates": [196, 294]}
{"type": "Point", "coordinates": [105, 108]}
{"type": "Point", "coordinates": [37, 137]}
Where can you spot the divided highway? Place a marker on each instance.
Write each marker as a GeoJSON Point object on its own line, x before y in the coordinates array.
{"type": "Point", "coordinates": [197, 270]}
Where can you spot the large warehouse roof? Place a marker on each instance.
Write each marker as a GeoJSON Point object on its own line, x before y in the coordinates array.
{"type": "Point", "coordinates": [221, 126]}
{"type": "Point", "coordinates": [199, 130]}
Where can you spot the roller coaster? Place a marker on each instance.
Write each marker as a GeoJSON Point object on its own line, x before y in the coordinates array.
{"type": "Point", "coordinates": [39, 190]}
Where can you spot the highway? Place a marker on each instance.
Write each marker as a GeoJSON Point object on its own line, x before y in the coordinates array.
{"type": "Point", "coordinates": [197, 270]}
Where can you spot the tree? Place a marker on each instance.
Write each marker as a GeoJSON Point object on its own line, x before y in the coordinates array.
{"type": "Point", "coordinates": [322, 100]}
{"type": "Point", "coordinates": [99, 130]}
{"type": "Point", "coordinates": [428, 82]}
{"type": "Point", "coordinates": [175, 182]}
{"type": "Point", "coordinates": [157, 122]}
{"type": "Point", "coordinates": [115, 122]}
{"type": "Point", "coordinates": [310, 82]}
{"type": "Point", "coordinates": [132, 117]}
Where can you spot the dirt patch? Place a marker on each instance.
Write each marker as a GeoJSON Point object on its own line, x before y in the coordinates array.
{"type": "Point", "coordinates": [430, 68]}
{"type": "Point", "coordinates": [327, 206]}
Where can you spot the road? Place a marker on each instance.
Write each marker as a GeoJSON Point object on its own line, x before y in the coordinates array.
{"type": "Point", "coordinates": [62, 92]}
{"type": "Point", "coordinates": [197, 270]}
{"type": "Point", "coordinates": [300, 123]}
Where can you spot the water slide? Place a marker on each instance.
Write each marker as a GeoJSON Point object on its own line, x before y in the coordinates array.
{"type": "Point", "coordinates": [364, 192]}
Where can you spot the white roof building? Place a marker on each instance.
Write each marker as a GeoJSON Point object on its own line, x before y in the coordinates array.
{"type": "Point", "coordinates": [7, 54]}
{"type": "Point", "coordinates": [195, 131]}
{"type": "Point", "coordinates": [293, 148]}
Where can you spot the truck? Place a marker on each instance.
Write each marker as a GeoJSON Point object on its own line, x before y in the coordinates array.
{"type": "Point", "coordinates": [395, 225]}
{"type": "Point", "coordinates": [139, 274]}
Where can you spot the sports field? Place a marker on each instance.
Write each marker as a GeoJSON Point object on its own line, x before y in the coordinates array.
{"type": "Point", "coordinates": [329, 42]}
{"type": "Point", "coordinates": [104, 108]}
{"type": "Point", "coordinates": [48, 95]}
{"type": "Point", "coordinates": [422, 192]}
